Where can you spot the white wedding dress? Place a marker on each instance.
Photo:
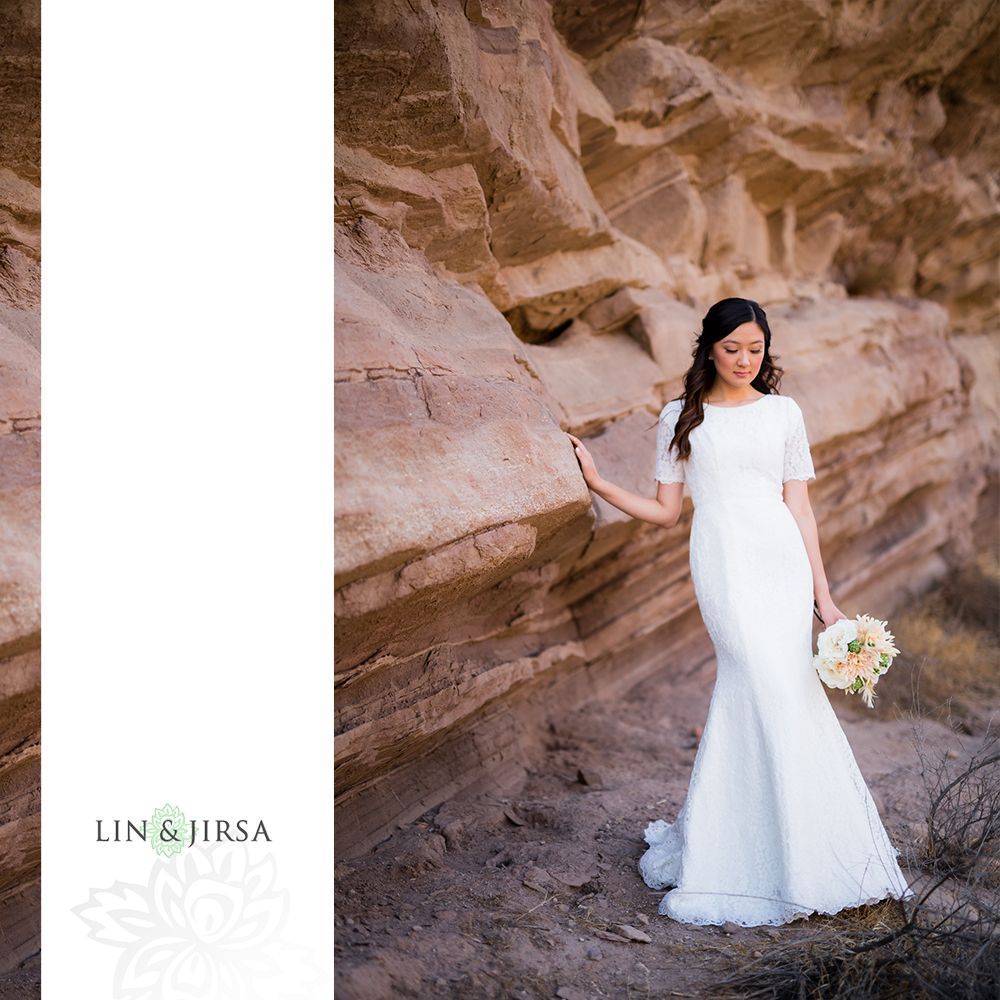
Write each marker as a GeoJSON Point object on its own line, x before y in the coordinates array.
{"type": "Point", "coordinates": [778, 822]}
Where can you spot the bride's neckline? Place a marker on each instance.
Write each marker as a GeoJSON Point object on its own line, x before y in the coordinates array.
{"type": "Point", "coordinates": [735, 406]}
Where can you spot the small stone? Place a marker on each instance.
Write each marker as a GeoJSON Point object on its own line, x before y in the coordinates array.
{"type": "Point", "coordinates": [595, 955]}
{"type": "Point", "coordinates": [773, 934]}
{"type": "Point", "coordinates": [440, 983]}
{"type": "Point", "coordinates": [643, 919]}
{"type": "Point", "coordinates": [445, 915]}
{"type": "Point", "coordinates": [537, 877]}
{"type": "Point", "coordinates": [513, 817]}
{"type": "Point", "coordinates": [758, 954]}
{"type": "Point", "coordinates": [592, 779]}
{"type": "Point", "coordinates": [452, 834]}
{"type": "Point", "coordinates": [575, 880]}
{"type": "Point", "coordinates": [568, 993]}
{"type": "Point", "coordinates": [520, 995]}
{"type": "Point", "coordinates": [633, 933]}
{"type": "Point", "coordinates": [639, 967]}
{"type": "Point", "coordinates": [729, 928]}
{"type": "Point", "coordinates": [608, 936]}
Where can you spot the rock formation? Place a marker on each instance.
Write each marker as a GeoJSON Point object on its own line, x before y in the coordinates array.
{"type": "Point", "coordinates": [20, 480]}
{"type": "Point", "coordinates": [536, 202]}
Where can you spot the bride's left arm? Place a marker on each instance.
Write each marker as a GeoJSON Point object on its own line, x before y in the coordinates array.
{"type": "Point", "coordinates": [796, 496]}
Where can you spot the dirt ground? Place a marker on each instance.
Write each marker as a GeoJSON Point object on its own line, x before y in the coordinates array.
{"type": "Point", "coordinates": [538, 896]}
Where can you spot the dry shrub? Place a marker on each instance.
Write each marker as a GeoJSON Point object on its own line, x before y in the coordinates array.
{"type": "Point", "coordinates": [963, 821]}
{"type": "Point", "coordinates": [936, 954]}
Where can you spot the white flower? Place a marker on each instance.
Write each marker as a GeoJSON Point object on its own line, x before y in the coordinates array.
{"type": "Point", "coordinates": [832, 642]}
{"type": "Point", "coordinates": [830, 674]}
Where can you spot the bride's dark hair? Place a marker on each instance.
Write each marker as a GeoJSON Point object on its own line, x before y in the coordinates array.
{"type": "Point", "coordinates": [719, 322]}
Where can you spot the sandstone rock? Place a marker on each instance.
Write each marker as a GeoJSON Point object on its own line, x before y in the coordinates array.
{"type": "Point", "coordinates": [372, 723]}
{"type": "Point", "coordinates": [20, 812]}
{"type": "Point", "coordinates": [539, 880]}
{"type": "Point", "coordinates": [20, 493]}
{"type": "Point", "coordinates": [592, 27]}
{"type": "Point", "coordinates": [624, 453]}
{"type": "Point", "coordinates": [559, 288]}
{"type": "Point", "coordinates": [20, 213]}
{"type": "Point", "coordinates": [736, 229]}
{"type": "Point", "coordinates": [442, 212]}
{"type": "Point", "coordinates": [477, 410]}
{"type": "Point", "coordinates": [633, 933]}
{"type": "Point", "coordinates": [436, 86]}
{"type": "Point", "coordinates": [20, 90]}
{"type": "Point", "coordinates": [20, 487]}
{"type": "Point", "coordinates": [422, 775]}
{"type": "Point", "coordinates": [611, 936]}
{"type": "Point", "coordinates": [595, 379]}
{"type": "Point", "coordinates": [860, 363]}
{"type": "Point", "coordinates": [616, 310]}
{"type": "Point", "coordinates": [575, 880]}
{"type": "Point", "coordinates": [639, 198]}
{"type": "Point", "coordinates": [453, 834]}
{"type": "Point", "coordinates": [667, 331]}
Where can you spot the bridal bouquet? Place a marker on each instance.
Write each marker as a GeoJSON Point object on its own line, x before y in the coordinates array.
{"type": "Point", "coordinates": [853, 655]}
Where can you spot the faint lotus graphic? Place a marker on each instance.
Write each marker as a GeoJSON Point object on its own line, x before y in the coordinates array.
{"type": "Point", "coordinates": [206, 926]}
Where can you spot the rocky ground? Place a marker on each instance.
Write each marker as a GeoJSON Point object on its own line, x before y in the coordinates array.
{"type": "Point", "coordinates": [538, 896]}
{"type": "Point", "coordinates": [24, 982]}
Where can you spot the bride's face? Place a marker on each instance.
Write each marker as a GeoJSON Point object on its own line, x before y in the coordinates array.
{"type": "Point", "coordinates": [739, 355]}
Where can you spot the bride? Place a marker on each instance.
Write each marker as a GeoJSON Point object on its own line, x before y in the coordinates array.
{"type": "Point", "coordinates": [778, 822]}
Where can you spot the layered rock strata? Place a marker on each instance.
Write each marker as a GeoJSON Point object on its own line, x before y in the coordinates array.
{"type": "Point", "coordinates": [532, 217]}
{"type": "Point", "coordinates": [20, 483]}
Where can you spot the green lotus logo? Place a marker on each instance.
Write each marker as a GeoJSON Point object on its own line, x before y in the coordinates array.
{"type": "Point", "coordinates": [167, 825]}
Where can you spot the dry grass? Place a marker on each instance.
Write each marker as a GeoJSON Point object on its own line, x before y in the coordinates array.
{"type": "Point", "coordinates": [949, 643]}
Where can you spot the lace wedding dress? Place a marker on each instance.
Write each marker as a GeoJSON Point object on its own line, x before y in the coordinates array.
{"type": "Point", "coordinates": [778, 822]}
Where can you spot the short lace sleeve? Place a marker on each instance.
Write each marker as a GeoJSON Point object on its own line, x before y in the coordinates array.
{"type": "Point", "coordinates": [798, 461]}
{"type": "Point", "coordinates": [669, 469]}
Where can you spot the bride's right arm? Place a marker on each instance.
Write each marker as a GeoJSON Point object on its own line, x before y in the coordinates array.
{"type": "Point", "coordinates": [664, 509]}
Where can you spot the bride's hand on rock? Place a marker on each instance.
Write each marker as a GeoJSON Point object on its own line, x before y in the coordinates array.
{"type": "Point", "coordinates": [830, 613]}
{"type": "Point", "coordinates": [585, 459]}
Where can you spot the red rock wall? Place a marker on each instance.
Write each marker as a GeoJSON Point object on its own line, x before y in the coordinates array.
{"type": "Point", "coordinates": [536, 202]}
{"type": "Point", "coordinates": [20, 482]}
